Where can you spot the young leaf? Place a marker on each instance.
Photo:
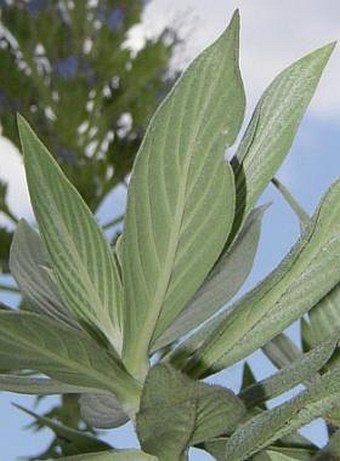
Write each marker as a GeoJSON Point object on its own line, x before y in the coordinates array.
{"type": "Point", "coordinates": [29, 341]}
{"type": "Point", "coordinates": [176, 412]}
{"type": "Point", "coordinates": [223, 282]}
{"type": "Point", "coordinates": [181, 195]}
{"type": "Point", "coordinates": [81, 259]}
{"type": "Point", "coordinates": [297, 372]}
{"type": "Point", "coordinates": [303, 278]}
{"type": "Point", "coordinates": [273, 126]}
{"type": "Point", "coordinates": [102, 411]}
{"type": "Point", "coordinates": [260, 431]}
{"type": "Point", "coordinates": [38, 385]}
{"type": "Point", "coordinates": [73, 441]}
{"type": "Point", "coordinates": [30, 268]}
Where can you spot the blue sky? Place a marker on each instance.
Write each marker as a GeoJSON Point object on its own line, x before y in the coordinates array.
{"type": "Point", "coordinates": [272, 37]}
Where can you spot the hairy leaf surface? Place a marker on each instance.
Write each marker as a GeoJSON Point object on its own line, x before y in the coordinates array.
{"type": "Point", "coordinates": [181, 195]}
{"type": "Point", "coordinates": [273, 126]}
{"type": "Point", "coordinates": [223, 282]}
{"type": "Point", "coordinates": [177, 412]}
{"type": "Point", "coordinates": [305, 276]}
{"type": "Point", "coordinates": [81, 259]}
{"type": "Point", "coordinates": [28, 341]}
{"type": "Point", "coordinates": [260, 431]}
{"type": "Point", "coordinates": [297, 372]}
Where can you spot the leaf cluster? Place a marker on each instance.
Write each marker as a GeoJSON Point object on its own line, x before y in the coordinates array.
{"type": "Point", "coordinates": [135, 329]}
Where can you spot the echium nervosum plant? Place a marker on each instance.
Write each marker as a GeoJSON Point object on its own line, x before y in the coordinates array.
{"type": "Point", "coordinates": [100, 317]}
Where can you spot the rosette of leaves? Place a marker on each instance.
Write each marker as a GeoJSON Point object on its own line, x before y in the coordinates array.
{"type": "Point", "coordinates": [135, 331]}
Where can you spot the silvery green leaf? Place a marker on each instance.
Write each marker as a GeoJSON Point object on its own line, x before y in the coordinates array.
{"type": "Point", "coordinates": [176, 412]}
{"type": "Point", "coordinates": [74, 441]}
{"type": "Point", "coordinates": [281, 351]}
{"type": "Point", "coordinates": [29, 341]}
{"type": "Point", "coordinates": [102, 411]}
{"type": "Point", "coordinates": [305, 367]}
{"type": "Point", "coordinates": [29, 266]}
{"type": "Point", "coordinates": [273, 126]}
{"type": "Point", "coordinates": [81, 259]}
{"type": "Point", "coordinates": [181, 195]}
{"type": "Point", "coordinates": [222, 283]}
{"type": "Point", "coordinates": [262, 430]}
{"type": "Point", "coordinates": [116, 455]}
{"type": "Point", "coordinates": [38, 385]}
{"type": "Point", "coordinates": [304, 277]}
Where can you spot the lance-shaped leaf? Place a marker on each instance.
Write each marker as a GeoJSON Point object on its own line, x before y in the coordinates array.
{"type": "Point", "coordinates": [73, 441]}
{"type": "Point", "coordinates": [116, 455]}
{"type": "Point", "coordinates": [102, 411]}
{"type": "Point", "coordinates": [297, 372]}
{"type": "Point", "coordinates": [31, 270]}
{"type": "Point", "coordinates": [81, 259]}
{"type": "Point", "coordinates": [223, 282]}
{"type": "Point", "coordinates": [29, 341]}
{"type": "Point", "coordinates": [273, 126]}
{"type": "Point", "coordinates": [38, 385]}
{"type": "Point", "coordinates": [305, 276]}
{"type": "Point", "coordinates": [181, 195]}
{"type": "Point", "coordinates": [177, 412]}
{"type": "Point", "coordinates": [260, 431]}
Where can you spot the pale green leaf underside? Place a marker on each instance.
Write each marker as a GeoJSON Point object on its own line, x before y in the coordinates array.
{"type": "Point", "coordinates": [321, 397]}
{"type": "Point", "coordinates": [102, 411]}
{"type": "Point", "coordinates": [223, 282]}
{"type": "Point", "coordinates": [30, 268]}
{"type": "Point", "coordinates": [176, 412]}
{"type": "Point", "coordinates": [181, 195]}
{"type": "Point", "coordinates": [38, 385]}
{"type": "Point", "coordinates": [272, 129]}
{"type": "Point", "coordinates": [116, 455]}
{"type": "Point", "coordinates": [305, 276]}
{"type": "Point", "coordinates": [297, 372]}
{"type": "Point", "coordinates": [81, 259]}
{"type": "Point", "coordinates": [29, 341]}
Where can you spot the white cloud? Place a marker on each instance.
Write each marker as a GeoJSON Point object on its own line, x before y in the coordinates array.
{"type": "Point", "coordinates": [273, 35]}
{"type": "Point", "coordinates": [12, 172]}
